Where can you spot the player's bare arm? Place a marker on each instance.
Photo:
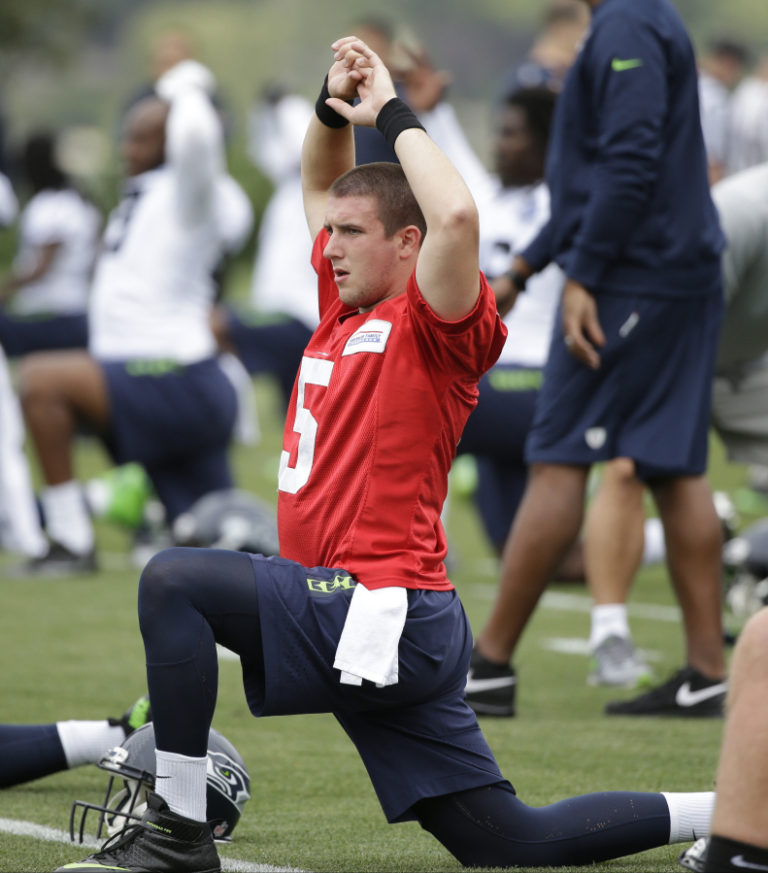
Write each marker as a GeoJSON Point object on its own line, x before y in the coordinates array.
{"type": "Point", "coordinates": [447, 268]}
{"type": "Point", "coordinates": [328, 151]}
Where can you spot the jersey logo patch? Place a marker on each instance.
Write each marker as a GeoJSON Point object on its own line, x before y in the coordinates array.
{"type": "Point", "coordinates": [371, 337]}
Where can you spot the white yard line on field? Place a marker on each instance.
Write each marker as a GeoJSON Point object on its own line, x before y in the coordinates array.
{"type": "Point", "coordinates": [54, 835]}
{"type": "Point", "coordinates": [583, 603]}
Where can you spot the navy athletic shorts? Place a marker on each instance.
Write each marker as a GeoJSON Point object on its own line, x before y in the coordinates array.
{"type": "Point", "coordinates": [176, 420]}
{"type": "Point", "coordinates": [417, 738]}
{"type": "Point", "coordinates": [649, 400]}
{"type": "Point", "coordinates": [495, 435]}
{"type": "Point", "coordinates": [271, 345]}
{"type": "Point", "coordinates": [23, 334]}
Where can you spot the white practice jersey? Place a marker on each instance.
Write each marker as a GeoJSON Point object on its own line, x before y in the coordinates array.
{"type": "Point", "coordinates": [715, 109]}
{"type": "Point", "coordinates": [748, 137]}
{"type": "Point", "coordinates": [66, 219]}
{"type": "Point", "coordinates": [284, 280]}
{"type": "Point", "coordinates": [509, 219]}
{"type": "Point", "coordinates": [508, 222]}
{"type": "Point", "coordinates": [742, 202]}
{"type": "Point", "coordinates": [154, 288]}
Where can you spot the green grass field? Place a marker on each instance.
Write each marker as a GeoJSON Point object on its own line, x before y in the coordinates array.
{"type": "Point", "coordinates": [71, 649]}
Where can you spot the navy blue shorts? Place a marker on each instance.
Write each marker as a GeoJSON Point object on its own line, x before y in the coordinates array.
{"type": "Point", "coordinates": [21, 335]}
{"type": "Point", "coordinates": [177, 421]}
{"type": "Point", "coordinates": [650, 399]}
{"type": "Point", "coordinates": [271, 345]}
{"type": "Point", "coordinates": [495, 435]}
{"type": "Point", "coordinates": [417, 738]}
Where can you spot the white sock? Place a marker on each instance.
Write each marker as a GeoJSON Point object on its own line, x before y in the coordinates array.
{"type": "Point", "coordinates": [608, 620]}
{"type": "Point", "coordinates": [690, 815]}
{"type": "Point", "coordinates": [181, 782]}
{"type": "Point", "coordinates": [85, 742]}
{"type": "Point", "coordinates": [66, 516]}
{"type": "Point", "coordinates": [655, 548]}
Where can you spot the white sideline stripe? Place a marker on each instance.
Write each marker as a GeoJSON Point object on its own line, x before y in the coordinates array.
{"type": "Point", "coordinates": [580, 646]}
{"type": "Point", "coordinates": [583, 603]}
{"type": "Point", "coordinates": [54, 835]}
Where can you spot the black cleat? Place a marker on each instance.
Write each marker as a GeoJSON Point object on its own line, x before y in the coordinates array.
{"type": "Point", "coordinates": [60, 561]}
{"type": "Point", "coordinates": [688, 693]}
{"type": "Point", "coordinates": [136, 716]}
{"type": "Point", "coordinates": [162, 842]}
{"type": "Point", "coordinates": [490, 687]}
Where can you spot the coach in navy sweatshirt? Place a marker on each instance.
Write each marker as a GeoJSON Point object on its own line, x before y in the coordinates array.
{"type": "Point", "coordinates": [630, 366]}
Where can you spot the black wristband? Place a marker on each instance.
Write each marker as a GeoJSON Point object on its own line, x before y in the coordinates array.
{"type": "Point", "coordinates": [395, 117]}
{"type": "Point", "coordinates": [518, 280]}
{"type": "Point", "coordinates": [329, 117]}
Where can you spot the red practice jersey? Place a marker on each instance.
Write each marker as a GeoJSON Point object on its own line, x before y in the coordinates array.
{"type": "Point", "coordinates": [377, 410]}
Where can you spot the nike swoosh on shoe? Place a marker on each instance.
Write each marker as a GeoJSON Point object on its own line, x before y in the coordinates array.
{"type": "Point", "coordinates": [686, 697]}
{"type": "Point", "coordinates": [741, 861]}
{"type": "Point", "coordinates": [474, 685]}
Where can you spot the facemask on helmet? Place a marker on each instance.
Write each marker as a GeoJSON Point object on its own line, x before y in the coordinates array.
{"type": "Point", "coordinates": [132, 775]}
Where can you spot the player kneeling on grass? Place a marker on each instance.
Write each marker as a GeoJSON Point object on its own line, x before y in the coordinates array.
{"type": "Point", "coordinates": [357, 617]}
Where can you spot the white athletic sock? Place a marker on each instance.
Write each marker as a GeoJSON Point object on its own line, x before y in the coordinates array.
{"type": "Point", "coordinates": [181, 782]}
{"type": "Point", "coordinates": [66, 516]}
{"type": "Point", "coordinates": [84, 742]}
{"type": "Point", "coordinates": [690, 815]}
{"type": "Point", "coordinates": [608, 620]}
{"type": "Point", "coordinates": [655, 547]}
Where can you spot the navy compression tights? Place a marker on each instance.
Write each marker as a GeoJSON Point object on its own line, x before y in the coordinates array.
{"type": "Point", "coordinates": [191, 598]}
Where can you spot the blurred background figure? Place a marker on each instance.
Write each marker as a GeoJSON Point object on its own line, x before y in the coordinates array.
{"type": "Point", "coordinates": [9, 203]}
{"type": "Point", "coordinates": [748, 142]}
{"type": "Point", "coordinates": [150, 384]}
{"type": "Point", "coordinates": [739, 417]}
{"type": "Point", "coordinates": [20, 528]}
{"type": "Point", "coordinates": [270, 337]}
{"type": "Point", "coordinates": [720, 70]}
{"type": "Point", "coordinates": [513, 203]}
{"type": "Point", "coordinates": [553, 50]}
{"type": "Point", "coordinates": [45, 296]}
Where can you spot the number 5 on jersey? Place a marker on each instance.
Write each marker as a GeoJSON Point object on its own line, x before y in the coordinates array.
{"type": "Point", "coordinates": [313, 371]}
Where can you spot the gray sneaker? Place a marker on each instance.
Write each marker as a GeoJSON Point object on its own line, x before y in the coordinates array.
{"type": "Point", "coordinates": [616, 662]}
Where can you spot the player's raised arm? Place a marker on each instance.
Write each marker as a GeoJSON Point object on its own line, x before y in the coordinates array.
{"type": "Point", "coordinates": [447, 267]}
{"type": "Point", "coordinates": [329, 147]}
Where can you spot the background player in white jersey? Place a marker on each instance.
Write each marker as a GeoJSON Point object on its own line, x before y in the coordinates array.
{"type": "Point", "coordinates": [271, 336]}
{"type": "Point", "coordinates": [45, 296]}
{"type": "Point", "coordinates": [513, 205]}
{"type": "Point", "coordinates": [149, 384]}
{"type": "Point", "coordinates": [358, 617]}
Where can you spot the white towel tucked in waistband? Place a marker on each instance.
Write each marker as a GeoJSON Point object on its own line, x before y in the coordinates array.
{"type": "Point", "coordinates": [368, 644]}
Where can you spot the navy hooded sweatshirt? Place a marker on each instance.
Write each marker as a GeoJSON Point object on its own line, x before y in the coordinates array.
{"type": "Point", "coordinates": [626, 169]}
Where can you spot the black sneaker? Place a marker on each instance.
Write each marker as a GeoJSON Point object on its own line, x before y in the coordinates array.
{"type": "Point", "coordinates": [60, 561]}
{"type": "Point", "coordinates": [134, 717]}
{"type": "Point", "coordinates": [687, 693]}
{"type": "Point", "coordinates": [490, 687]}
{"type": "Point", "coordinates": [162, 842]}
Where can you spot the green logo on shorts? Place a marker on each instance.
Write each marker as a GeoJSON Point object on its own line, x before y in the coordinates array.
{"type": "Point", "coordinates": [340, 582]}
